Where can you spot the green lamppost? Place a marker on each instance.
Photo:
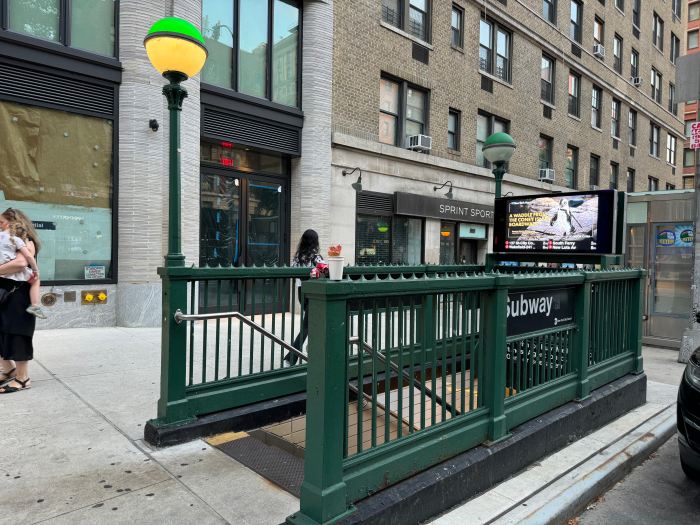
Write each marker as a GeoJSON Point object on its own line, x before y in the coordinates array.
{"type": "Point", "coordinates": [498, 149]}
{"type": "Point", "coordinates": [176, 49]}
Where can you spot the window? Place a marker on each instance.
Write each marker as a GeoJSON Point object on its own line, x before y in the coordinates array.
{"type": "Point", "coordinates": [549, 10]}
{"type": "Point", "coordinates": [576, 17]}
{"type": "Point", "coordinates": [656, 85]}
{"type": "Point", "coordinates": [397, 122]}
{"type": "Point", "coordinates": [448, 242]}
{"type": "Point", "coordinates": [688, 183]}
{"type": "Point", "coordinates": [672, 104]}
{"type": "Point", "coordinates": [457, 26]}
{"type": "Point", "coordinates": [571, 167]}
{"type": "Point", "coordinates": [410, 15]}
{"type": "Point", "coordinates": [547, 82]}
{"type": "Point", "coordinates": [620, 4]}
{"type": "Point", "coordinates": [574, 94]}
{"type": "Point", "coordinates": [494, 50]}
{"type": "Point", "coordinates": [657, 32]}
{"type": "Point", "coordinates": [670, 186]}
{"type": "Point", "coordinates": [614, 175]}
{"type": "Point", "coordinates": [255, 50]}
{"type": "Point", "coordinates": [632, 127]}
{"type": "Point", "coordinates": [671, 149]}
{"type": "Point", "coordinates": [615, 119]}
{"type": "Point", "coordinates": [675, 48]}
{"type": "Point", "coordinates": [453, 129]}
{"type": "Point", "coordinates": [630, 180]}
{"type": "Point", "coordinates": [598, 31]}
{"type": "Point", "coordinates": [636, 13]}
{"type": "Point", "coordinates": [692, 39]}
{"type": "Point", "coordinates": [487, 124]}
{"type": "Point", "coordinates": [67, 185]}
{"type": "Point", "coordinates": [544, 144]}
{"type": "Point", "coordinates": [654, 135]}
{"type": "Point", "coordinates": [688, 158]}
{"type": "Point", "coordinates": [594, 172]}
{"type": "Point", "coordinates": [676, 8]}
{"type": "Point", "coordinates": [634, 63]}
{"type": "Point", "coordinates": [596, 104]}
{"type": "Point", "coordinates": [82, 24]}
{"type": "Point", "coordinates": [385, 239]}
{"type": "Point", "coordinates": [653, 184]}
{"type": "Point", "coordinates": [617, 53]}
{"type": "Point", "coordinates": [688, 125]}
{"type": "Point", "coordinates": [693, 12]}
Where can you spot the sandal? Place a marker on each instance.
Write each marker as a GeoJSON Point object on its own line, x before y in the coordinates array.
{"type": "Point", "coordinates": [12, 389]}
{"type": "Point", "coordinates": [7, 377]}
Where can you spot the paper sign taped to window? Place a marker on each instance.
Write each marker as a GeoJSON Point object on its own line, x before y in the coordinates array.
{"type": "Point", "coordinates": [94, 271]}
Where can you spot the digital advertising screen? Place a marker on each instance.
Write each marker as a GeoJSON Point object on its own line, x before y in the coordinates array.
{"type": "Point", "coordinates": [577, 223]}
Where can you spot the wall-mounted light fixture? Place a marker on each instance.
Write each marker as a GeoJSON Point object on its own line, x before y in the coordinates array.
{"type": "Point", "coordinates": [449, 192]}
{"type": "Point", "coordinates": [153, 124]}
{"type": "Point", "coordinates": [357, 185]}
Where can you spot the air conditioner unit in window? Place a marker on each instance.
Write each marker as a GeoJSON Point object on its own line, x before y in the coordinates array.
{"type": "Point", "coordinates": [636, 81]}
{"type": "Point", "coordinates": [594, 187]}
{"type": "Point", "coordinates": [599, 50]}
{"type": "Point", "coordinates": [546, 175]}
{"type": "Point", "coordinates": [420, 142]}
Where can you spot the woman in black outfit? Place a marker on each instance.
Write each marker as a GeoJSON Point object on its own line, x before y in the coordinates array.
{"type": "Point", "coordinates": [307, 256]}
{"type": "Point", "coordinates": [16, 325]}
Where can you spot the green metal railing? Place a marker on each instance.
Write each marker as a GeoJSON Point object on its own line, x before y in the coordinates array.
{"type": "Point", "coordinates": [214, 364]}
{"type": "Point", "coordinates": [437, 373]}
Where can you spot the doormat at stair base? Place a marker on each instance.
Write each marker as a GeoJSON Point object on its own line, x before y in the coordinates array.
{"type": "Point", "coordinates": [271, 462]}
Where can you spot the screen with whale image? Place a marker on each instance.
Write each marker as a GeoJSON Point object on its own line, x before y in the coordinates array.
{"type": "Point", "coordinates": [577, 223]}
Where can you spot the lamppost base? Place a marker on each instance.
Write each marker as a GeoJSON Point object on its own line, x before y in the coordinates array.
{"type": "Point", "coordinates": [174, 259]}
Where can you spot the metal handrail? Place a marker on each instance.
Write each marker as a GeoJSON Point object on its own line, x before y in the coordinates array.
{"type": "Point", "coordinates": [179, 317]}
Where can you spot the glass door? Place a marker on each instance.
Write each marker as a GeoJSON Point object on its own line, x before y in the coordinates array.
{"type": "Point", "coordinates": [265, 219]}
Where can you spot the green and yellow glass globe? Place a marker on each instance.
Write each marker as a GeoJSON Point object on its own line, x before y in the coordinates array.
{"type": "Point", "coordinates": [175, 46]}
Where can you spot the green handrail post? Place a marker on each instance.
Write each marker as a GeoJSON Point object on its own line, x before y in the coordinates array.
{"type": "Point", "coordinates": [635, 336]}
{"type": "Point", "coordinates": [583, 319]}
{"type": "Point", "coordinates": [172, 405]}
{"type": "Point", "coordinates": [495, 303]}
{"type": "Point", "coordinates": [323, 494]}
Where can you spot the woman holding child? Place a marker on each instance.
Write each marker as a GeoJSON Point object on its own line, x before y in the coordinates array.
{"type": "Point", "coordinates": [19, 244]}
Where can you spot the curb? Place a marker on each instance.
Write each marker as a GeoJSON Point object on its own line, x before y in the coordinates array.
{"type": "Point", "coordinates": [562, 505]}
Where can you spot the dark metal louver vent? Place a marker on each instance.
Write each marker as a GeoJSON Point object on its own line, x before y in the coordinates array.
{"type": "Point", "coordinates": [30, 86]}
{"type": "Point", "coordinates": [375, 203]}
{"type": "Point", "coordinates": [632, 152]}
{"type": "Point", "coordinates": [259, 133]}
{"type": "Point", "coordinates": [575, 50]}
{"type": "Point", "coordinates": [420, 53]}
{"type": "Point", "coordinates": [547, 112]}
{"type": "Point", "coordinates": [486, 84]}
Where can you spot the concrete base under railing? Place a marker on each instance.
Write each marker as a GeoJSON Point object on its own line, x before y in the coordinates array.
{"type": "Point", "coordinates": [447, 484]}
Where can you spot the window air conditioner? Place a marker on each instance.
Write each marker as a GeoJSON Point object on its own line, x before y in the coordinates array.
{"type": "Point", "coordinates": [546, 175]}
{"type": "Point", "coordinates": [636, 81]}
{"type": "Point", "coordinates": [594, 187]}
{"type": "Point", "coordinates": [599, 50]}
{"type": "Point", "coordinates": [420, 142]}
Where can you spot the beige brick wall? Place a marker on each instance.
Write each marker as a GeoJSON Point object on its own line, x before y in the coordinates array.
{"type": "Point", "coordinates": [364, 48]}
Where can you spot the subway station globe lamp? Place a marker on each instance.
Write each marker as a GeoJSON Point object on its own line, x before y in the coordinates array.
{"type": "Point", "coordinates": [176, 49]}
{"type": "Point", "coordinates": [498, 149]}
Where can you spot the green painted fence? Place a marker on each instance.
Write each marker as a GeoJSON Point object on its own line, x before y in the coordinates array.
{"type": "Point", "coordinates": [404, 372]}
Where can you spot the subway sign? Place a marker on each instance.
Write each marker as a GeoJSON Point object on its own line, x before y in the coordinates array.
{"type": "Point", "coordinates": [537, 310]}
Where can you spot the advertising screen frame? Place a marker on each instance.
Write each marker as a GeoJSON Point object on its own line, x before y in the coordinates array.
{"type": "Point", "coordinates": [607, 230]}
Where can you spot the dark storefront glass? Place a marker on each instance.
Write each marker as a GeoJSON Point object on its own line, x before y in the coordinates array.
{"type": "Point", "coordinates": [447, 242]}
{"type": "Point", "coordinates": [264, 224]}
{"type": "Point", "coordinates": [407, 241]}
{"type": "Point", "coordinates": [220, 220]}
{"type": "Point", "coordinates": [39, 18]}
{"type": "Point", "coordinates": [56, 167]}
{"type": "Point", "coordinates": [217, 27]}
{"type": "Point", "coordinates": [227, 155]}
{"type": "Point", "coordinates": [92, 25]}
{"type": "Point", "coordinates": [285, 43]}
{"type": "Point", "coordinates": [373, 239]}
{"type": "Point", "coordinates": [252, 55]}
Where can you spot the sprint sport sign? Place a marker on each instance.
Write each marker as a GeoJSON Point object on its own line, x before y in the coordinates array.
{"type": "Point", "coordinates": [537, 310]}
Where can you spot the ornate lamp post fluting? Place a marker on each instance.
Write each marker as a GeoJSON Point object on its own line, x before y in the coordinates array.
{"type": "Point", "coordinates": [498, 149]}
{"type": "Point", "coordinates": [176, 49]}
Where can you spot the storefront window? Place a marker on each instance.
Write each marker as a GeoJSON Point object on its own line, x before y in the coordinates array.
{"type": "Point", "coordinates": [447, 242]}
{"type": "Point", "coordinates": [92, 25]}
{"type": "Point", "coordinates": [407, 241]}
{"type": "Point", "coordinates": [373, 240]}
{"type": "Point", "coordinates": [39, 18]}
{"type": "Point", "coordinates": [57, 168]}
{"type": "Point", "coordinates": [673, 265]}
{"type": "Point", "coordinates": [228, 155]}
{"type": "Point", "coordinates": [219, 220]}
{"type": "Point", "coordinates": [285, 43]}
{"type": "Point", "coordinates": [217, 27]}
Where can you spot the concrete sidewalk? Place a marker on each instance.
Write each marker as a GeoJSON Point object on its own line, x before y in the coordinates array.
{"type": "Point", "coordinates": [72, 450]}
